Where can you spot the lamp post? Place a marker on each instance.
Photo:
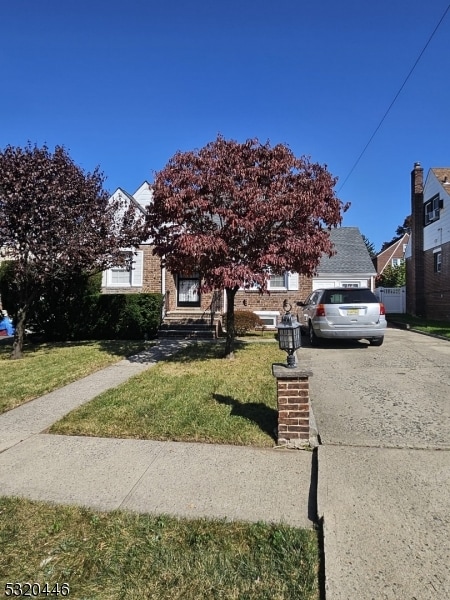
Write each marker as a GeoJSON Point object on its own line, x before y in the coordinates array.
{"type": "Point", "coordinates": [289, 335]}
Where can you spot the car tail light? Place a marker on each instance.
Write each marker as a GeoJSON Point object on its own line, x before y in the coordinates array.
{"type": "Point", "coordinates": [320, 310]}
{"type": "Point", "coordinates": [382, 309]}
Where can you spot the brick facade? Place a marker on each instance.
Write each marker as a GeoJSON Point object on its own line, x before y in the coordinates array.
{"type": "Point", "coordinates": [151, 276]}
{"type": "Point", "coordinates": [273, 300]}
{"type": "Point", "coordinates": [437, 285]}
{"type": "Point", "coordinates": [212, 301]}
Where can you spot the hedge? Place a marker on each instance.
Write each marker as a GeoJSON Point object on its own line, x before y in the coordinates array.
{"type": "Point", "coordinates": [127, 316]}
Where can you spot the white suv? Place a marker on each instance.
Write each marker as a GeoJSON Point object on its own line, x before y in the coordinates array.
{"type": "Point", "coordinates": [343, 313]}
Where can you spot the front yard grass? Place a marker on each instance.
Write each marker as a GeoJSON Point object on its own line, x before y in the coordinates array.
{"type": "Point", "coordinates": [106, 556]}
{"type": "Point", "coordinates": [46, 367]}
{"type": "Point", "coordinates": [193, 396]}
{"type": "Point", "coordinates": [428, 326]}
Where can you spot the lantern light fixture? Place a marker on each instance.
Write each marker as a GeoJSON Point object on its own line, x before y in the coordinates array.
{"type": "Point", "coordinates": [289, 334]}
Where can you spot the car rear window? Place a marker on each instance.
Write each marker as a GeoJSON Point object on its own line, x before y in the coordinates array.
{"type": "Point", "coordinates": [348, 296]}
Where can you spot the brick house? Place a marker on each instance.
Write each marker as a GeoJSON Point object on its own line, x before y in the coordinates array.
{"type": "Point", "coordinates": [393, 255]}
{"type": "Point", "coordinates": [428, 251]}
{"type": "Point", "coordinates": [184, 303]}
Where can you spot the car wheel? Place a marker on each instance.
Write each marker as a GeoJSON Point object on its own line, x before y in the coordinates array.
{"type": "Point", "coordinates": [376, 341]}
{"type": "Point", "coordinates": [313, 339]}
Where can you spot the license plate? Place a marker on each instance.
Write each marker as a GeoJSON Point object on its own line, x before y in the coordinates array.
{"type": "Point", "coordinates": [353, 311]}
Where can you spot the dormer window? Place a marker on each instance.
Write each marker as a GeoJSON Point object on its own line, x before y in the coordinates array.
{"type": "Point", "coordinates": [432, 210]}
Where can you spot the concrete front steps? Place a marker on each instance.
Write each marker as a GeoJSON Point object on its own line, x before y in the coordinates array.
{"type": "Point", "coordinates": [189, 324]}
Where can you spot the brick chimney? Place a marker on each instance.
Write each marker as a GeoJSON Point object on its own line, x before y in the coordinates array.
{"type": "Point", "coordinates": [416, 270]}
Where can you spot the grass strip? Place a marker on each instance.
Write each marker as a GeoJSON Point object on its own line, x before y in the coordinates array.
{"type": "Point", "coordinates": [46, 367]}
{"type": "Point", "coordinates": [125, 555]}
{"type": "Point", "coordinates": [193, 396]}
{"type": "Point", "coordinates": [441, 328]}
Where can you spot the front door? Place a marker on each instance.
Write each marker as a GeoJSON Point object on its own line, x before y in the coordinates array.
{"type": "Point", "coordinates": [188, 293]}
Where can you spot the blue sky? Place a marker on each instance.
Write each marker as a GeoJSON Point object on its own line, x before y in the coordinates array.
{"type": "Point", "coordinates": [124, 85]}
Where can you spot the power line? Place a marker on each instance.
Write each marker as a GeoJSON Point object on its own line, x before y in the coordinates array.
{"type": "Point", "coordinates": [395, 98]}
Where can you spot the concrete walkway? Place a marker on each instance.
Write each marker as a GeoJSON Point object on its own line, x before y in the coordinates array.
{"type": "Point", "coordinates": [182, 479]}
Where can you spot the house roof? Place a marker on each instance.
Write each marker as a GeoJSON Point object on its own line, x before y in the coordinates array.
{"type": "Point", "coordinates": [129, 197]}
{"type": "Point", "coordinates": [403, 239]}
{"type": "Point", "coordinates": [443, 175]}
{"type": "Point", "coordinates": [351, 255]}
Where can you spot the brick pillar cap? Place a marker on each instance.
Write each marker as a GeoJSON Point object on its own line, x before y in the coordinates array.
{"type": "Point", "coordinates": [282, 371]}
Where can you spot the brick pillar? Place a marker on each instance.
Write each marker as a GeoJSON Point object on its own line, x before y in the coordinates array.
{"type": "Point", "coordinates": [293, 405]}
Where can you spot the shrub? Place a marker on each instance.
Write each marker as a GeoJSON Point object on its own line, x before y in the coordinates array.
{"type": "Point", "coordinates": [245, 321]}
{"type": "Point", "coordinates": [72, 308]}
{"type": "Point", "coordinates": [61, 310]}
{"type": "Point", "coordinates": [8, 289]}
{"type": "Point", "coordinates": [127, 316]}
{"type": "Point", "coordinates": [65, 308]}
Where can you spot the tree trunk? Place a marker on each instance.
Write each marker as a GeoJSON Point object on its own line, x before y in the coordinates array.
{"type": "Point", "coordinates": [19, 335]}
{"type": "Point", "coordinates": [229, 344]}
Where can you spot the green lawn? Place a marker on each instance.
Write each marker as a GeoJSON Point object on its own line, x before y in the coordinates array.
{"type": "Point", "coordinates": [193, 396]}
{"type": "Point", "coordinates": [118, 555]}
{"type": "Point", "coordinates": [428, 326]}
{"type": "Point", "coordinates": [46, 367]}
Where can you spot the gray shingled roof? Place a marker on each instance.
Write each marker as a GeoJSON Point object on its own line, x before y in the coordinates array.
{"type": "Point", "coordinates": [351, 255]}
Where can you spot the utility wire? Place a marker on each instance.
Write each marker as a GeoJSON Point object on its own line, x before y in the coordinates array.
{"type": "Point", "coordinates": [393, 101]}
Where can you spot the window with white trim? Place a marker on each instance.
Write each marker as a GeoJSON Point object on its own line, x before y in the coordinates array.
{"type": "Point", "coordinates": [268, 317]}
{"type": "Point", "coordinates": [120, 275]}
{"type": "Point", "coordinates": [277, 281]}
{"type": "Point", "coordinates": [432, 210]}
{"type": "Point", "coordinates": [125, 276]}
{"type": "Point", "coordinates": [351, 284]}
{"type": "Point", "coordinates": [396, 262]}
{"type": "Point", "coordinates": [437, 259]}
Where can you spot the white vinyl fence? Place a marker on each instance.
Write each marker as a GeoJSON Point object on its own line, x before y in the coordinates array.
{"type": "Point", "coordinates": [394, 299]}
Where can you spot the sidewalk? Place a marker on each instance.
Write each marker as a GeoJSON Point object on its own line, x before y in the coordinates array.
{"type": "Point", "coordinates": [386, 522]}
{"type": "Point", "coordinates": [182, 479]}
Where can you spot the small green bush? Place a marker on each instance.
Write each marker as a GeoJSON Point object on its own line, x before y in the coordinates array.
{"type": "Point", "coordinates": [245, 321]}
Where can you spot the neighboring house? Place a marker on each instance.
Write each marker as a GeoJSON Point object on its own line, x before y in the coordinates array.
{"type": "Point", "coordinates": [351, 266]}
{"type": "Point", "coordinates": [184, 303]}
{"type": "Point", "coordinates": [428, 251]}
{"type": "Point", "coordinates": [393, 255]}
{"type": "Point", "coordinates": [145, 276]}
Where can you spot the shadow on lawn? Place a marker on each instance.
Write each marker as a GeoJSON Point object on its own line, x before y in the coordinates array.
{"type": "Point", "coordinates": [265, 417]}
{"type": "Point", "coordinates": [34, 344]}
{"type": "Point", "coordinates": [198, 350]}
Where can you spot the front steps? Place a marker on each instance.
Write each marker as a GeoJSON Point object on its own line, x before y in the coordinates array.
{"type": "Point", "coordinates": [189, 324]}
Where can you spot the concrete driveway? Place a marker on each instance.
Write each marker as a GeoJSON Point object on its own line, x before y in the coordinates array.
{"type": "Point", "coordinates": [397, 395]}
{"type": "Point", "coordinates": [383, 416]}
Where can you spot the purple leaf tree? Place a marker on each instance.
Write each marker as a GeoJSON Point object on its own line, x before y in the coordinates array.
{"type": "Point", "coordinates": [55, 219]}
{"type": "Point", "coordinates": [234, 212]}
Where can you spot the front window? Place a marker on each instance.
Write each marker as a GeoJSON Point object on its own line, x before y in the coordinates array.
{"type": "Point", "coordinates": [277, 281]}
{"type": "Point", "coordinates": [129, 274]}
{"type": "Point", "coordinates": [121, 275]}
